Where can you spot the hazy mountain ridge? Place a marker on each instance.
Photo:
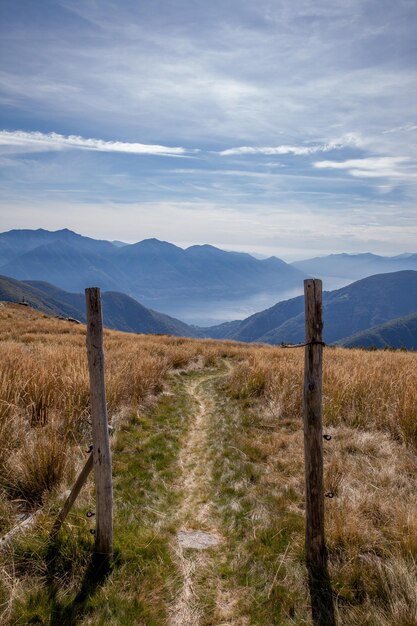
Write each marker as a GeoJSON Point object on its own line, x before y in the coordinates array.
{"type": "Point", "coordinates": [398, 333]}
{"type": "Point", "coordinates": [18, 242]}
{"type": "Point", "coordinates": [162, 273]}
{"type": "Point", "coordinates": [159, 274]}
{"type": "Point", "coordinates": [12, 290]}
{"type": "Point", "coordinates": [346, 311]}
{"type": "Point", "coordinates": [120, 312]}
{"type": "Point", "coordinates": [352, 315]}
{"type": "Point", "coordinates": [352, 267]}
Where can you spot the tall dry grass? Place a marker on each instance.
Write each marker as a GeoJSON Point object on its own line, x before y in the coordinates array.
{"type": "Point", "coordinates": [370, 410]}
{"type": "Point", "coordinates": [366, 390]}
{"type": "Point", "coordinates": [44, 393]}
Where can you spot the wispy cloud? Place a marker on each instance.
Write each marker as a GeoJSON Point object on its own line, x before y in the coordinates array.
{"type": "Point", "coordinates": [373, 167]}
{"type": "Point", "coordinates": [400, 129]}
{"type": "Point", "coordinates": [295, 150]}
{"type": "Point", "coordinates": [264, 89]}
{"type": "Point", "coordinates": [45, 142]}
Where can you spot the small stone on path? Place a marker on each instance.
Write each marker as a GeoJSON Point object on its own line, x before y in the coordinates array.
{"type": "Point", "coordinates": [197, 539]}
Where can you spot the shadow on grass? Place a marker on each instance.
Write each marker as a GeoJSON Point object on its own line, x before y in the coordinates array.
{"type": "Point", "coordinates": [69, 614]}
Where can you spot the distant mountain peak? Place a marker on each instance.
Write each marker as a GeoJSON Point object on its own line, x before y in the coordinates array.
{"type": "Point", "coordinates": [405, 255]}
{"type": "Point", "coordinates": [273, 260]}
{"type": "Point", "coordinates": [156, 242]}
{"type": "Point", "coordinates": [66, 230]}
{"type": "Point", "coordinates": [151, 245]}
{"type": "Point", "coordinates": [202, 246]}
{"type": "Point", "coordinates": [347, 255]}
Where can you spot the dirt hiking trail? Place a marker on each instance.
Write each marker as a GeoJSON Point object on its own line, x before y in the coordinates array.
{"type": "Point", "coordinates": [198, 537]}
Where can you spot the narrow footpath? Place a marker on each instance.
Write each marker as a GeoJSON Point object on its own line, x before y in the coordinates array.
{"type": "Point", "coordinates": [198, 539]}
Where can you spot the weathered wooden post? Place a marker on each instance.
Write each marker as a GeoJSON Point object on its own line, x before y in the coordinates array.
{"type": "Point", "coordinates": [316, 552]}
{"type": "Point", "coordinates": [101, 445]}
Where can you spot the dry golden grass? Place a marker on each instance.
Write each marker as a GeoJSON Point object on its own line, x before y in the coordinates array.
{"type": "Point", "coordinates": [370, 409]}
{"type": "Point", "coordinates": [44, 392]}
{"type": "Point", "coordinates": [368, 390]}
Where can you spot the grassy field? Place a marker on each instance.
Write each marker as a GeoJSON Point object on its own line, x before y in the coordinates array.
{"type": "Point", "coordinates": [208, 437]}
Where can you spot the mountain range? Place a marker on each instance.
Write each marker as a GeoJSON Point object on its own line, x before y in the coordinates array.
{"type": "Point", "coordinates": [377, 311]}
{"type": "Point", "coordinates": [338, 270]}
{"type": "Point", "coordinates": [346, 311]}
{"type": "Point", "coordinates": [186, 283]}
{"type": "Point", "coordinates": [203, 284]}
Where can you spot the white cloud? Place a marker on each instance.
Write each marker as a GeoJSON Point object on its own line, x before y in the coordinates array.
{"type": "Point", "coordinates": [400, 129]}
{"type": "Point", "coordinates": [373, 167]}
{"type": "Point", "coordinates": [44, 142]}
{"type": "Point", "coordinates": [276, 81]}
{"type": "Point", "coordinates": [295, 150]}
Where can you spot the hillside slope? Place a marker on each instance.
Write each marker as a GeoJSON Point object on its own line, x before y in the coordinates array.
{"type": "Point", "coordinates": [120, 311]}
{"type": "Point", "coordinates": [50, 302]}
{"type": "Point", "coordinates": [397, 333]}
{"type": "Point", "coordinates": [359, 306]}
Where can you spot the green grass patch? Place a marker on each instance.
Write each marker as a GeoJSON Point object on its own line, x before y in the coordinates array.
{"type": "Point", "coordinates": [59, 584]}
{"type": "Point", "coordinates": [264, 529]}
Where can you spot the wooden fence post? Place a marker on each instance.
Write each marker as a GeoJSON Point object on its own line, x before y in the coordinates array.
{"type": "Point", "coordinates": [101, 445]}
{"type": "Point", "coordinates": [316, 553]}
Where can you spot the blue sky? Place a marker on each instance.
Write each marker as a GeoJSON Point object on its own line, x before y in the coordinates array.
{"type": "Point", "coordinates": [276, 126]}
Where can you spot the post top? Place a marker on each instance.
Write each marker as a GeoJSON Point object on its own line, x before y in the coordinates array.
{"type": "Point", "coordinates": [308, 281]}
